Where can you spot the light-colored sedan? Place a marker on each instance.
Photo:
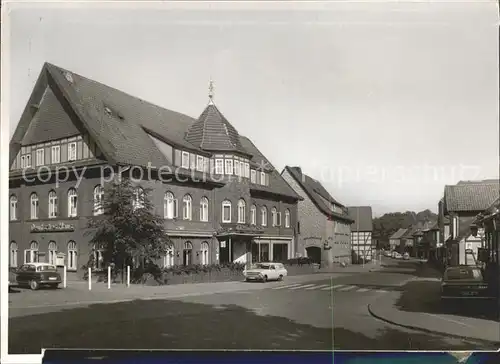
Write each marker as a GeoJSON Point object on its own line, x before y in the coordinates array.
{"type": "Point", "coordinates": [266, 272]}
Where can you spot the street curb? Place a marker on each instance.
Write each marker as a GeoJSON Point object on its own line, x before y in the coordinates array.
{"type": "Point", "coordinates": [370, 311]}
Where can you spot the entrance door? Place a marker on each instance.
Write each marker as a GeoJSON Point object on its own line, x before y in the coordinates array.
{"type": "Point", "coordinates": [314, 253]}
{"type": "Point", "coordinates": [224, 252]}
{"type": "Point", "coordinates": [280, 252]}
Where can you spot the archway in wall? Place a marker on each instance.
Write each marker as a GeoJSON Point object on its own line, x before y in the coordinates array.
{"type": "Point", "coordinates": [314, 253]}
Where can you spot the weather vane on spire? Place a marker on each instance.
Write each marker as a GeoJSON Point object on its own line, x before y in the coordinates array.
{"type": "Point", "coordinates": [211, 90]}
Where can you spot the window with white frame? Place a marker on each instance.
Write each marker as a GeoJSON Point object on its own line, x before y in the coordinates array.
{"type": "Point", "coordinates": [52, 204]}
{"type": "Point", "coordinates": [72, 151]}
{"type": "Point", "coordinates": [23, 161]}
{"type": "Point", "coordinates": [241, 211]}
{"type": "Point", "coordinates": [13, 208]}
{"type": "Point", "coordinates": [169, 258]}
{"type": "Point", "coordinates": [98, 200]}
{"type": "Point", "coordinates": [52, 250]}
{"type": "Point", "coordinates": [219, 166]}
{"type": "Point", "coordinates": [55, 156]}
{"type": "Point", "coordinates": [229, 166]}
{"type": "Point", "coordinates": [72, 203]}
{"type": "Point", "coordinates": [28, 160]}
{"type": "Point", "coordinates": [40, 157]}
{"type": "Point", "coordinates": [204, 209]}
{"type": "Point", "coordinates": [278, 222]}
{"type": "Point", "coordinates": [287, 218]}
{"type": "Point", "coordinates": [31, 254]}
{"type": "Point", "coordinates": [169, 206]}
{"type": "Point", "coordinates": [247, 170]}
{"type": "Point", "coordinates": [98, 256]}
{"type": "Point", "coordinates": [187, 253]}
{"type": "Point", "coordinates": [185, 160]}
{"type": "Point", "coordinates": [13, 254]}
{"type": "Point", "coordinates": [72, 256]}
{"type": "Point", "coordinates": [253, 176]}
{"type": "Point", "coordinates": [187, 207]}
{"type": "Point", "coordinates": [455, 226]}
{"type": "Point", "coordinates": [263, 178]}
{"type": "Point", "coordinates": [274, 216]}
{"type": "Point", "coordinates": [253, 215]}
{"type": "Point", "coordinates": [237, 171]}
{"type": "Point", "coordinates": [200, 163]}
{"type": "Point", "coordinates": [34, 206]}
{"type": "Point", "coordinates": [138, 198]}
{"type": "Point", "coordinates": [204, 252]}
{"type": "Point", "coordinates": [226, 211]}
{"type": "Point", "coordinates": [263, 215]}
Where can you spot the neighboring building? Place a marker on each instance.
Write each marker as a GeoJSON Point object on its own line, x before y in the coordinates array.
{"type": "Point", "coordinates": [430, 242]}
{"type": "Point", "coordinates": [361, 233]}
{"type": "Point", "coordinates": [461, 204]}
{"type": "Point", "coordinates": [221, 198]}
{"type": "Point", "coordinates": [324, 226]}
{"type": "Point", "coordinates": [396, 241]}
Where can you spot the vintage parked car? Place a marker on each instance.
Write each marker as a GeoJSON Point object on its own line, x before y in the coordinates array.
{"type": "Point", "coordinates": [397, 255]}
{"type": "Point", "coordinates": [266, 272]}
{"type": "Point", "coordinates": [35, 275]}
{"type": "Point", "coordinates": [406, 256]}
{"type": "Point", "coordinates": [464, 281]}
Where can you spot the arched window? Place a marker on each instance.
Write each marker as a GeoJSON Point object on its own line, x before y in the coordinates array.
{"type": "Point", "coordinates": [13, 254]}
{"type": "Point", "coordinates": [263, 215]}
{"type": "Point", "coordinates": [13, 207]}
{"type": "Point", "coordinates": [31, 254]}
{"type": "Point", "coordinates": [204, 253]}
{"type": "Point", "coordinates": [169, 206]}
{"type": "Point", "coordinates": [72, 203]}
{"type": "Point", "coordinates": [34, 206]}
{"type": "Point", "coordinates": [168, 258]}
{"type": "Point", "coordinates": [241, 211]}
{"type": "Point", "coordinates": [274, 216]}
{"type": "Point", "coordinates": [204, 209]}
{"type": "Point", "coordinates": [187, 207]}
{"type": "Point", "coordinates": [98, 255]}
{"type": "Point", "coordinates": [226, 211]}
{"type": "Point", "coordinates": [98, 200]}
{"type": "Point", "coordinates": [253, 215]}
{"type": "Point", "coordinates": [52, 252]}
{"type": "Point", "coordinates": [138, 199]}
{"type": "Point", "coordinates": [287, 218]}
{"type": "Point", "coordinates": [52, 204]}
{"type": "Point", "coordinates": [187, 253]}
{"type": "Point", "coordinates": [72, 255]}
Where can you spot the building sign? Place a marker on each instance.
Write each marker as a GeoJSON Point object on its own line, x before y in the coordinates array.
{"type": "Point", "coordinates": [47, 228]}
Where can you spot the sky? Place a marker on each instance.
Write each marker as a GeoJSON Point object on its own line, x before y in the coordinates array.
{"type": "Point", "coordinates": [384, 102]}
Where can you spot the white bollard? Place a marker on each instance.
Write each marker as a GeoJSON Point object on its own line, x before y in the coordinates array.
{"type": "Point", "coordinates": [109, 277]}
{"type": "Point", "coordinates": [64, 277]}
{"type": "Point", "coordinates": [90, 278]}
{"type": "Point", "coordinates": [128, 275]}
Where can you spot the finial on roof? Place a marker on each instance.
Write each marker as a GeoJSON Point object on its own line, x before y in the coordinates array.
{"type": "Point", "coordinates": [211, 90]}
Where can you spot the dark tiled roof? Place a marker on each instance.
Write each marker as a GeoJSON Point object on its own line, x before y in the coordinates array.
{"type": "Point", "coordinates": [213, 132]}
{"type": "Point", "coordinates": [471, 196]}
{"type": "Point", "coordinates": [399, 234]}
{"type": "Point", "coordinates": [118, 122]}
{"type": "Point", "coordinates": [317, 193]}
{"type": "Point", "coordinates": [362, 216]}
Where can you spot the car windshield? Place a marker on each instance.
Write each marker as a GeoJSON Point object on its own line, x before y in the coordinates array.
{"type": "Point", "coordinates": [45, 268]}
{"type": "Point", "coordinates": [262, 266]}
{"type": "Point", "coordinates": [463, 273]}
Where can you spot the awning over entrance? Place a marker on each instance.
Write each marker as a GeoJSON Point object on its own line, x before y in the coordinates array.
{"type": "Point", "coordinates": [238, 230]}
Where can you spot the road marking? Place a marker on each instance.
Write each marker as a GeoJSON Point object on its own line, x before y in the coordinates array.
{"type": "Point", "coordinates": [287, 286]}
{"type": "Point", "coordinates": [381, 291]}
{"type": "Point", "coordinates": [337, 286]}
{"type": "Point", "coordinates": [317, 287]}
{"type": "Point", "coordinates": [304, 286]}
{"type": "Point", "coordinates": [363, 290]}
{"type": "Point", "coordinates": [326, 289]}
{"type": "Point", "coordinates": [348, 288]}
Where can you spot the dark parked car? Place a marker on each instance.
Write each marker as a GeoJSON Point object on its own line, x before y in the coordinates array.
{"type": "Point", "coordinates": [35, 275]}
{"type": "Point", "coordinates": [464, 282]}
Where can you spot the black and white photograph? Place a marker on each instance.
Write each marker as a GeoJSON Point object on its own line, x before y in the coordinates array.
{"type": "Point", "coordinates": [250, 176]}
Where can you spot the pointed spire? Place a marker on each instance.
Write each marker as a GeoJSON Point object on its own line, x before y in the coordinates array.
{"type": "Point", "coordinates": [211, 91]}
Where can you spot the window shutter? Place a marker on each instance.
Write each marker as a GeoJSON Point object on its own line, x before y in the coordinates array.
{"type": "Point", "coordinates": [176, 208]}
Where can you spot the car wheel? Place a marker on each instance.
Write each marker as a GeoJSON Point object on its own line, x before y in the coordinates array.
{"type": "Point", "coordinates": [280, 278]}
{"type": "Point", "coordinates": [34, 285]}
{"type": "Point", "coordinates": [264, 279]}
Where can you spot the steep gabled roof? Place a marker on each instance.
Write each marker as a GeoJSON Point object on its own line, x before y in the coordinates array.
{"type": "Point", "coordinates": [399, 234]}
{"type": "Point", "coordinates": [471, 196]}
{"type": "Point", "coordinates": [362, 216]}
{"type": "Point", "coordinates": [317, 193]}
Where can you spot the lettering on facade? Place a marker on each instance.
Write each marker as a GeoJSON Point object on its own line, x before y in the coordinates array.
{"type": "Point", "coordinates": [46, 228]}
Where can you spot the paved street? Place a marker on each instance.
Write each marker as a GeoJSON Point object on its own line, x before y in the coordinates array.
{"type": "Point", "coordinates": [294, 314]}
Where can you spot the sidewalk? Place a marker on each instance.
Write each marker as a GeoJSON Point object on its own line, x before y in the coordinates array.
{"type": "Point", "coordinates": [450, 325]}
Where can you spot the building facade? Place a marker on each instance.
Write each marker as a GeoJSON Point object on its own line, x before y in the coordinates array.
{"type": "Point", "coordinates": [221, 199]}
{"type": "Point", "coordinates": [396, 241]}
{"type": "Point", "coordinates": [324, 226]}
{"type": "Point", "coordinates": [361, 233]}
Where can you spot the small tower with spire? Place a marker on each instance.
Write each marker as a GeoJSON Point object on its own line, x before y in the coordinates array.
{"type": "Point", "coordinates": [211, 92]}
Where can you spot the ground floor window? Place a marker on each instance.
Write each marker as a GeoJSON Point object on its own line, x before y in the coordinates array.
{"type": "Point", "coordinates": [280, 252]}
{"type": "Point", "coordinates": [31, 254]}
{"type": "Point", "coordinates": [52, 252]}
{"type": "Point", "coordinates": [98, 256]}
{"type": "Point", "coordinates": [13, 254]}
{"type": "Point", "coordinates": [72, 256]}
{"type": "Point", "coordinates": [204, 253]}
{"type": "Point", "coordinates": [260, 252]}
{"type": "Point", "coordinates": [187, 253]}
{"type": "Point", "coordinates": [168, 258]}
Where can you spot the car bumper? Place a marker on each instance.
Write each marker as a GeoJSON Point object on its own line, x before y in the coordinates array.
{"type": "Point", "coordinates": [254, 278]}
{"type": "Point", "coordinates": [49, 282]}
